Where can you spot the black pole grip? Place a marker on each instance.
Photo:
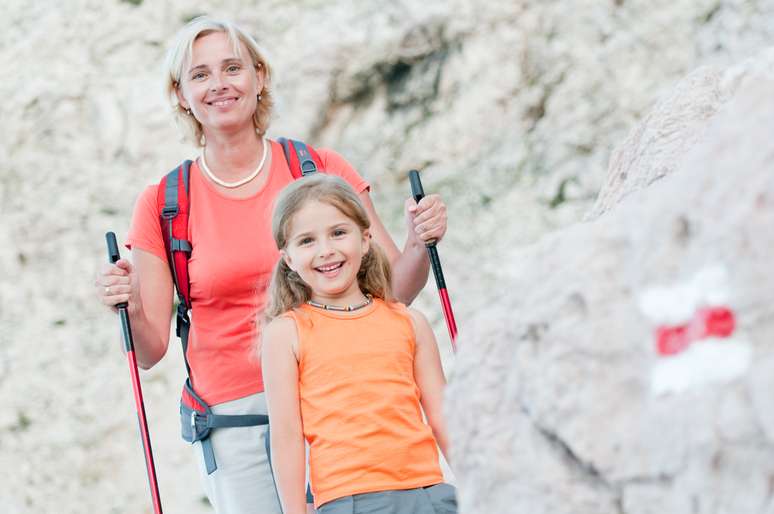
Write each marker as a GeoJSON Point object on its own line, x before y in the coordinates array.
{"type": "Point", "coordinates": [416, 186]}
{"type": "Point", "coordinates": [435, 263]}
{"type": "Point", "coordinates": [113, 256]}
{"type": "Point", "coordinates": [112, 247]}
{"type": "Point", "coordinates": [418, 192]}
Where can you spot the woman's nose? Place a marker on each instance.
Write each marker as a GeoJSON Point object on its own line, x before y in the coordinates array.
{"type": "Point", "coordinates": [216, 83]}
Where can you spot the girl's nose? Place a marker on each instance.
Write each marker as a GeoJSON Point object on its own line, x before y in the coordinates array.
{"type": "Point", "coordinates": [324, 249]}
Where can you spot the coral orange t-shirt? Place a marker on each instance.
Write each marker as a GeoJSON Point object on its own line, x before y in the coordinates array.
{"type": "Point", "coordinates": [360, 404]}
{"type": "Point", "coordinates": [230, 267]}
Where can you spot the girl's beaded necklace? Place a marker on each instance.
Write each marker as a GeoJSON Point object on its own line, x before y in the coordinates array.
{"type": "Point", "coordinates": [347, 308]}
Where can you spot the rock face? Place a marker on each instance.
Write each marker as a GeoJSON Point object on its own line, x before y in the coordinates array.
{"type": "Point", "coordinates": [658, 145]}
{"type": "Point", "coordinates": [510, 109]}
{"type": "Point", "coordinates": [563, 377]}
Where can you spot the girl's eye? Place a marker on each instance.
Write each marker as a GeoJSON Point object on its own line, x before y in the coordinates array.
{"type": "Point", "coordinates": [339, 232]}
{"type": "Point", "coordinates": [197, 76]}
{"type": "Point", "coordinates": [305, 241]}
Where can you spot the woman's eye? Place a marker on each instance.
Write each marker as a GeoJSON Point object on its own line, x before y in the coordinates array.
{"type": "Point", "coordinates": [339, 232]}
{"type": "Point", "coordinates": [197, 76]}
{"type": "Point", "coordinates": [305, 241]}
{"type": "Point", "coordinates": [233, 68]}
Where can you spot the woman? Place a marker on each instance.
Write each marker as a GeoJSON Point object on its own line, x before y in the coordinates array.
{"type": "Point", "coordinates": [220, 84]}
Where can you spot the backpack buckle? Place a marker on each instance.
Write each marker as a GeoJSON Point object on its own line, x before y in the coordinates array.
{"type": "Point", "coordinates": [181, 319]}
{"type": "Point", "coordinates": [307, 167]}
{"type": "Point", "coordinates": [169, 212]}
{"type": "Point", "coordinates": [193, 425]}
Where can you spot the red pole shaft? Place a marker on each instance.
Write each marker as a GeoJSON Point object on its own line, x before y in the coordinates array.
{"type": "Point", "coordinates": [448, 315]}
{"type": "Point", "coordinates": [126, 332]}
{"type": "Point", "coordinates": [139, 404]}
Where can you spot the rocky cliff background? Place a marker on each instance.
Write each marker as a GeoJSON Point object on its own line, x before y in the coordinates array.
{"type": "Point", "coordinates": [511, 109]}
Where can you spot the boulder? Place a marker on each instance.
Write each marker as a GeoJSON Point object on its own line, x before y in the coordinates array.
{"type": "Point", "coordinates": [558, 398]}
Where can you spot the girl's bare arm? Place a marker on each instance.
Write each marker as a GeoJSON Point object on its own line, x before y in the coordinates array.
{"type": "Point", "coordinates": [428, 374]}
{"type": "Point", "coordinates": [280, 379]}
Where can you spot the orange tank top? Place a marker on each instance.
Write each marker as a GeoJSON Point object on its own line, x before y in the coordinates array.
{"type": "Point", "coordinates": [360, 404]}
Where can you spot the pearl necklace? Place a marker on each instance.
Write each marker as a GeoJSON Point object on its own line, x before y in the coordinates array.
{"type": "Point", "coordinates": [239, 182]}
{"type": "Point", "coordinates": [348, 308]}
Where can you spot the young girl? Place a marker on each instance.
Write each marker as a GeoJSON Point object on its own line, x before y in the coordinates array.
{"type": "Point", "coordinates": [347, 367]}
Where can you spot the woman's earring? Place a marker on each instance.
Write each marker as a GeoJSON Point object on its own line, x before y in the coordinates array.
{"type": "Point", "coordinates": [259, 97]}
{"type": "Point", "coordinates": [188, 111]}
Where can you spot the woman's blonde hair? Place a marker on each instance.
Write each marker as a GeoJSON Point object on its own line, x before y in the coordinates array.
{"type": "Point", "coordinates": [287, 289]}
{"type": "Point", "coordinates": [179, 55]}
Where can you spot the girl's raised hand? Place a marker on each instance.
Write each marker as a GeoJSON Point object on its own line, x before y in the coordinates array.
{"type": "Point", "coordinates": [427, 219]}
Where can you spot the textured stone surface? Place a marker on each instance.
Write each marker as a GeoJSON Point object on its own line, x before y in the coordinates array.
{"type": "Point", "coordinates": [559, 376]}
{"type": "Point", "coordinates": [510, 108]}
{"type": "Point", "coordinates": [657, 146]}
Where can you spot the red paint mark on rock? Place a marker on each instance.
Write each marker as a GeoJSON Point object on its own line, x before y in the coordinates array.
{"type": "Point", "coordinates": [718, 321]}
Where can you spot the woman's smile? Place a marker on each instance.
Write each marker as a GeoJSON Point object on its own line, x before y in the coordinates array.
{"type": "Point", "coordinates": [223, 102]}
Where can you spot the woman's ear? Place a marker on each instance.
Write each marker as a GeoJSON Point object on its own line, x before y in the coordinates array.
{"type": "Point", "coordinates": [260, 78]}
{"type": "Point", "coordinates": [180, 98]}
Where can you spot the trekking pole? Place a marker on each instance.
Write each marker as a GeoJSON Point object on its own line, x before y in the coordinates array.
{"type": "Point", "coordinates": [435, 262]}
{"type": "Point", "coordinates": [126, 330]}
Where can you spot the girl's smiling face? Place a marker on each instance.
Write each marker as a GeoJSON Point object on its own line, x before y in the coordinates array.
{"type": "Point", "coordinates": [325, 248]}
{"type": "Point", "coordinates": [220, 86]}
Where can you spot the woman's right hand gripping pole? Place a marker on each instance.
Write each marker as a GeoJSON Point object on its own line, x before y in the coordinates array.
{"type": "Point", "coordinates": [116, 283]}
{"type": "Point", "coordinates": [146, 286]}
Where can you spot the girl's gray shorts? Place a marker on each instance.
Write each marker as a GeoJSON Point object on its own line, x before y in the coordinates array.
{"type": "Point", "coordinates": [434, 499]}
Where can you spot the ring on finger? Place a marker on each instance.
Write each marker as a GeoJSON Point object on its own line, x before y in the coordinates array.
{"type": "Point", "coordinates": [107, 290]}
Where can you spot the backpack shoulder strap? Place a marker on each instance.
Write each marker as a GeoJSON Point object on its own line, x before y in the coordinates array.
{"type": "Point", "coordinates": [173, 203]}
{"type": "Point", "coordinates": [302, 159]}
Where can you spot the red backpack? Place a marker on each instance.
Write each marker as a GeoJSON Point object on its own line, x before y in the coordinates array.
{"type": "Point", "coordinates": [173, 201]}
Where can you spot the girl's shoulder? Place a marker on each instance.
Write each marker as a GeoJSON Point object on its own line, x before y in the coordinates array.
{"type": "Point", "coordinates": [409, 315]}
{"type": "Point", "coordinates": [282, 326]}
{"type": "Point", "coordinates": [415, 314]}
{"type": "Point", "coordinates": [279, 333]}
{"type": "Point", "coordinates": [416, 317]}
{"type": "Point", "coordinates": [296, 318]}
{"type": "Point", "coordinates": [397, 307]}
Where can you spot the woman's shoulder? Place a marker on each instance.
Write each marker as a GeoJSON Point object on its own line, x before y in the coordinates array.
{"type": "Point", "coordinates": [150, 192]}
{"type": "Point", "coordinates": [146, 203]}
{"type": "Point", "coordinates": [328, 155]}
{"type": "Point", "coordinates": [334, 162]}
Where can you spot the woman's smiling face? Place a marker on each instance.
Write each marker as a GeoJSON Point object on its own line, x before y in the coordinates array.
{"type": "Point", "coordinates": [325, 248]}
{"type": "Point", "coordinates": [219, 85]}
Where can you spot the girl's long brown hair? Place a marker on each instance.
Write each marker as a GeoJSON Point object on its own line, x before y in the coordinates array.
{"type": "Point", "coordinates": [287, 290]}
